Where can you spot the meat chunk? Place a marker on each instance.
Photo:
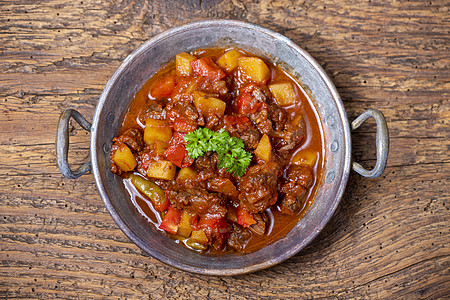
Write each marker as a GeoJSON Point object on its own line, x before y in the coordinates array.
{"type": "Point", "coordinates": [239, 237]}
{"type": "Point", "coordinates": [131, 137]}
{"type": "Point", "coordinates": [184, 116]}
{"type": "Point", "coordinates": [224, 186]}
{"type": "Point", "coordinates": [207, 162]}
{"type": "Point", "coordinates": [261, 93]}
{"type": "Point", "coordinates": [260, 227]}
{"type": "Point", "coordinates": [253, 102]}
{"type": "Point", "coordinates": [278, 116]}
{"type": "Point", "coordinates": [241, 127]}
{"type": "Point", "coordinates": [291, 136]}
{"type": "Point", "coordinates": [261, 120]}
{"type": "Point", "coordinates": [259, 187]}
{"type": "Point", "coordinates": [215, 88]}
{"type": "Point", "coordinates": [211, 121]}
{"type": "Point", "coordinates": [197, 200]}
{"type": "Point", "coordinates": [155, 111]}
{"type": "Point", "coordinates": [299, 180]}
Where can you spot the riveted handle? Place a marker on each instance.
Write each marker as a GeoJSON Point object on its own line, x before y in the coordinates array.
{"type": "Point", "coordinates": [382, 143]}
{"type": "Point", "coordinates": [62, 143]}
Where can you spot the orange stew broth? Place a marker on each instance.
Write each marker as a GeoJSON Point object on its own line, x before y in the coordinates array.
{"type": "Point", "coordinates": [279, 224]}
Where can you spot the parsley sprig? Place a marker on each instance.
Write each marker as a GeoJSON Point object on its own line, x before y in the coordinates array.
{"type": "Point", "coordinates": [232, 155]}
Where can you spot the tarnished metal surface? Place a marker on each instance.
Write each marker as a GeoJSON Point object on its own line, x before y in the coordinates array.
{"type": "Point", "coordinates": [149, 58]}
{"type": "Point", "coordinates": [62, 143]}
{"type": "Point", "coordinates": [382, 142]}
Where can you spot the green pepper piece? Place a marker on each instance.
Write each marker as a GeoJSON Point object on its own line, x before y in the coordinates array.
{"type": "Point", "coordinates": [152, 191]}
{"type": "Point", "coordinates": [195, 245]}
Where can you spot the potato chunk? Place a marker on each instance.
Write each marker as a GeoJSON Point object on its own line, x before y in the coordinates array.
{"type": "Point", "coordinates": [185, 228]}
{"type": "Point", "coordinates": [264, 149]}
{"type": "Point", "coordinates": [183, 64]}
{"type": "Point", "coordinates": [209, 105]}
{"type": "Point", "coordinates": [160, 147]}
{"type": "Point", "coordinates": [186, 173]}
{"type": "Point", "coordinates": [305, 157]}
{"type": "Point", "coordinates": [199, 236]}
{"type": "Point", "coordinates": [228, 60]}
{"type": "Point", "coordinates": [157, 130]}
{"type": "Point", "coordinates": [254, 67]}
{"type": "Point", "coordinates": [162, 169]}
{"type": "Point", "coordinates": [283, 93]}
{"type": "Point", "coordinates": [124, 159]}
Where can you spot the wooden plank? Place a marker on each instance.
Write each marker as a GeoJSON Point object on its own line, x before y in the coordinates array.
{"type": "Point", "coordinates": [389, 236]}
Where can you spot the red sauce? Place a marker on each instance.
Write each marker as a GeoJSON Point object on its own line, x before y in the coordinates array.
{"type": "Point", "coordinates": [298, 159]}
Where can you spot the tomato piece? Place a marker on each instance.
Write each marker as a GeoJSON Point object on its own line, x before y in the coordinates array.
{"type": "Point", "coordinates": [214, 224]}
{"type": "Point", "coordinates": [194, 223]}
{"type": "Point", "coordinates": [184, 126]}
{"type": "Point", "coordinates": [207, 68]}
{"type": "Point", "coordinates": [244, 218]}
{"type": "Point", "coordinates": [171, 220]}
{"type": "Point", "coordinates": [217, 228]}
{"type": "Point", "coordinates": [236, 120]}
{"type": "Point", "coordinates": [163, 87]}
{"type": "Point", "coordinates": [177, 153]}
{"type": "Point", "coordinates": [207, 222]}
{"type": "Point", "coordinates": [223, 228]}
{"type": "Point", "coordinates": [247, 104]}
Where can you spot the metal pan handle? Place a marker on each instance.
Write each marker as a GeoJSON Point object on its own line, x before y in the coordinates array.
{"type": "Point", "coordinates": [62, 143]}
{"type": "Point", "coordinates": [382, 143]}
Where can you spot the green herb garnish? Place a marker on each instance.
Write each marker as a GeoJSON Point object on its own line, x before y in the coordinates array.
{"type": "Point", "coordinates": [232, 155]}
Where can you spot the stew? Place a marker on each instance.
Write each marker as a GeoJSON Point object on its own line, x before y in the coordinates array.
{"type": "Point", "coordinates": [221, 150]}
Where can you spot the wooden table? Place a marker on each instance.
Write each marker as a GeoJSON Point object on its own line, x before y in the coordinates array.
{"type": "Point", "coordinates": [389, 237]}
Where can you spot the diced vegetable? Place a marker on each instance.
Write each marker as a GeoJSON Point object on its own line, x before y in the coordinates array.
{"type": "Point", "coordinates": [194, 223]}
{"type": "Point", "coordinates": [283, 93]}
{"type": "Point", "coordinates": [297, 119]}
{"type": "Point", "coordinates": [305, 157]}
{"type": "Point", "coordinates": [185, 224]}
{"type": "Point", "coordinates": [196, 81]}
{"type": "Point", "coordinates": [183, 64]}
{"type": "Point", "coordinates": [228, 60]}
{"type": "Point", "coordinates": [217, 227]}
{"type": "Point", "coordinates": [161, 169]}
{"type": "Point", "coordinates": [207, 68]}
{"type": "Point", "coordinates": [186, 173]}
{"type": "Point", "coordinates": [184, 125]}
{"type": "Point", "coordinates": [264, 148]}
{"type": "Point", "coordinates": [255, 68]}
{"type": "Point", "coordinates": [160, 147]}
{"type": "Point", "coordinates": [244, 218]}
{"type": "Point", "coordinates": [236, 120]}
{"type": "Point", "coordinates": [195, 245]}
{"type": "Point", "coordinates": [199, 236]}
{"type": "Point", "coordinates": [152, 191]}
{"type": "Point", "coordinates": [209, 105]}
{"type": "Point", "coordinates": [163, 87]}
{"type": "Point", "coordinates": [171, 220]}
{"type": "Point", "coordinates": [157, 130]}
{"type": "Point", "coordinates": [247, 104]}
{"type": "Point", "coordinates": [124, 159]}
{"type": "Point", "coordinates": [176, 153]}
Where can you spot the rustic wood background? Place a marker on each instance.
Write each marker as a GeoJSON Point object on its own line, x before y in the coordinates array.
{"type": "Point", "coordinates": [389, 238]}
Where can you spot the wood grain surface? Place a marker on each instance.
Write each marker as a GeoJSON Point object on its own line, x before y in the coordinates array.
{"type": "Point", "coordinates": [389, 238]}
